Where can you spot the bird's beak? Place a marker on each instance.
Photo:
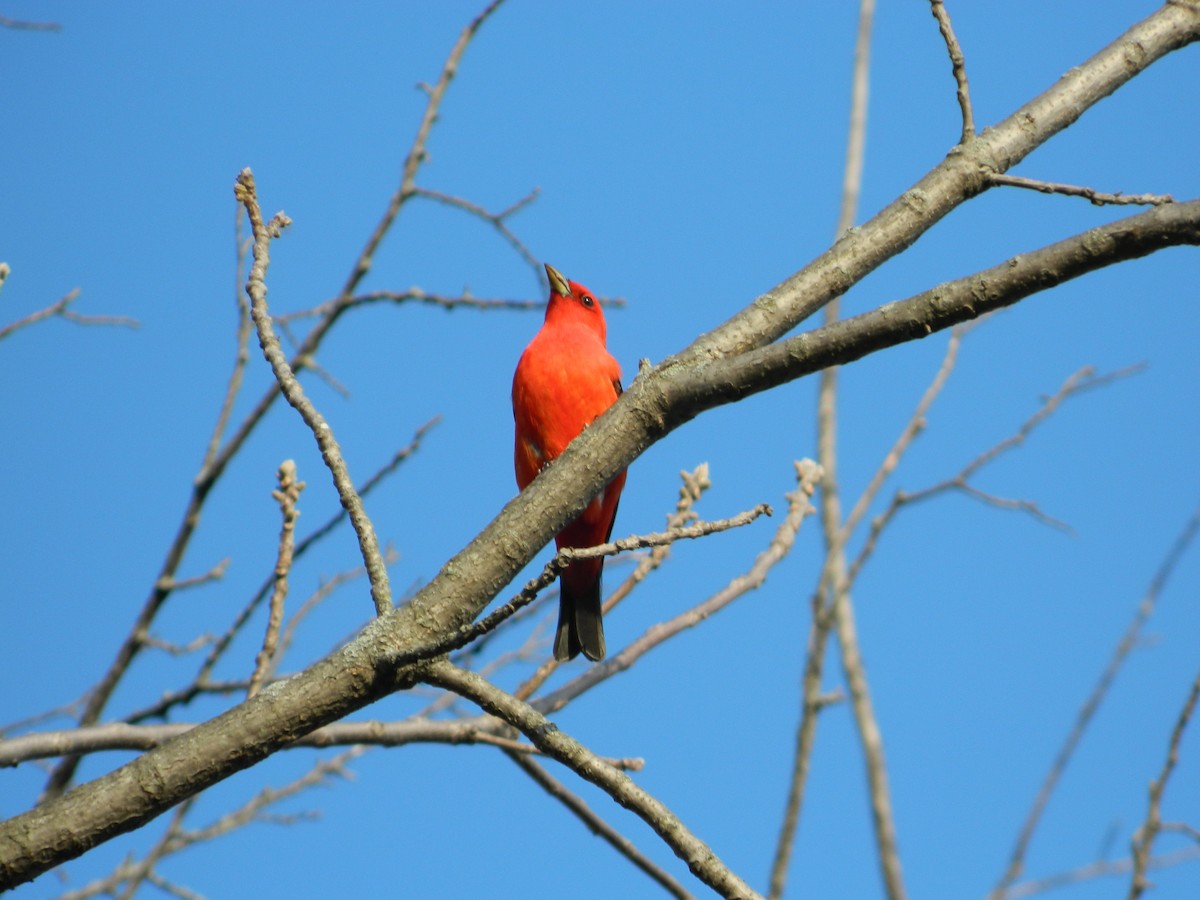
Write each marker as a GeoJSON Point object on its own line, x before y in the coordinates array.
{"type": "Point", "coordinates": [558, 284]}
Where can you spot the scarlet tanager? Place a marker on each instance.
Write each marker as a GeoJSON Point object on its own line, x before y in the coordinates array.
{"type": "Point", "coordinates": [564, 380]}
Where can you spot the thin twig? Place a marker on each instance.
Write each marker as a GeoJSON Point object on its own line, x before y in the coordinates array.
{"type": "Point", "coordinates": [331, 453]}
{"type": "Point", "coordinates": [808, 476]}
{"type": "Point", "coordinates": [597, 825]}
{"type": "Point", "coordinates": [958, 66]}
{"type": "Point", "coordinates": [412, 295]}
{"type": "Point", "coordinates": [25, 25]}
{"type": "Point", "coordinates": [216, 573]}
{"type": "Point", "coordinates": [1105, 868]}
{"type": "Point", "coordinates": [287, 495]}
{"type": "Point", "coordinates": [242, 338]}
{"type": "Point", "coordinates": [1097, 198]}
{"type": "Point", "coordinates": [1083, 380]}
{"type": "Point", "coordinates": [496, 220]}
{"type": "Point", "coordinates": [561, 560]}
{"type": "Point", "coordinates": [60, 309]}
{"type": "Point", "coordinates": [1129, 639]}
{"type": "Point", "coordinates": [695, 483]}
{"type": "Point", "coordinates": [197, 643]}
{"type": "Point", "coordinates": [1143, 838]}
{"type": "Point", "coordinates": [700, 858]}
{"type": "Point", "coordinates": [871, 738]}
{"type": "Point", "coordinates": [908, 434]}
{"type": "Point", "coordinates": [417, 154]}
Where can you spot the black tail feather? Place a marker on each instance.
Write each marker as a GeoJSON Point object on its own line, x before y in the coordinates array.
{"type": "Point", "coordinates": [580, 626]}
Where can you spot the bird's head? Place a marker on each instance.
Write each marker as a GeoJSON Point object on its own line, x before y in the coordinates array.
{"type": "Point", "coordinates": [571, 302]}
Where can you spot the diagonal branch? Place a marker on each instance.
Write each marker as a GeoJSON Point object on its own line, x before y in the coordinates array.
{"type": "Point", "coordinates": [706, 375]}
{"type": "Point", "coordinates": [700, 859]}
{"type": "Point", "coordinates": [1145, 608]}
{"type": "Point", "coordinates": [331, 453]}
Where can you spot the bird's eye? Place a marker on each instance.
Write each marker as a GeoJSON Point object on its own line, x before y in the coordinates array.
{"type": "Point", "coordinates": [587, 300]}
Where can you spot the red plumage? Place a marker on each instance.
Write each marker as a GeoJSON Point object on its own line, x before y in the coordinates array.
{"type": "Point", "coordinates": [565, 379]}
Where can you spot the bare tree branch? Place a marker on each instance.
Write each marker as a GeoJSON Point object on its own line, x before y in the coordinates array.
{"type": "Point", "coordinates": [1106, 868]}
{"type": "Point", "coordinates": [25, 25]}
{"type": "Point", "coordinates": [700, 859]}
{"type": "Point", "coordinates": [1145, 608]}
{"type": "Point", "coordinates": [331, 453]}
{"type": "Point", "coordinates": [60, 309]}
{"type": "Point", "coordinates": [808, 475]}
{"type": "Point", "coordinates": [723, 365]}
{"type": "Point", "coordinates": [958, 66]}
{"type": "Point", "coordinates": [287, 495]}
{"type": "Point", "coordinates": [1097, 198]}
{"type": "Point", "coordinates": [1083, 380]}
{"type": "Point", "coordinates": [115, 736]}
{"type": "Point", "coordinates": [597, 825]}
{"type": "Point", "coordinates": [212, 469]}
{"type": "Point", "coordinates": [496, 220]}
{"type": "Point", "coordinates": [412, 295]}
{"type": "Point", "coordinates": [1144, 838]}
{"type": "Point", "coordinates": [565, 557]}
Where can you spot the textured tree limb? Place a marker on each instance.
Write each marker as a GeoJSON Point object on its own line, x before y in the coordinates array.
{"type": "Point", "coordinates": [700, 859]}
{"type": "Point", "coordinates": [657, 402]}
{"type": "Point", "coordinates": [964, 173]}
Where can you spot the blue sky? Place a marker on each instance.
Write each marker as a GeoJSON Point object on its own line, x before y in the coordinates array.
{"type": "Point", "coordinates": [687, 157]}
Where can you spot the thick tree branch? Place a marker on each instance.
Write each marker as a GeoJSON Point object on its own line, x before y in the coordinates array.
{"type": "Point", "coordinates": [658, 401]}
{"type": "Point", "coordinates": [965, 172]}
{"type": "Point", "coordinates": [728, 380]}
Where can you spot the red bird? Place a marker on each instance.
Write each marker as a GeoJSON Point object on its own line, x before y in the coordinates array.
{"type": "Point", "coordinates": [564, 380]}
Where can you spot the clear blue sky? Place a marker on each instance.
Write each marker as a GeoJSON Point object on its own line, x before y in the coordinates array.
{"type": "Point", "coordinates": [688, 158]}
